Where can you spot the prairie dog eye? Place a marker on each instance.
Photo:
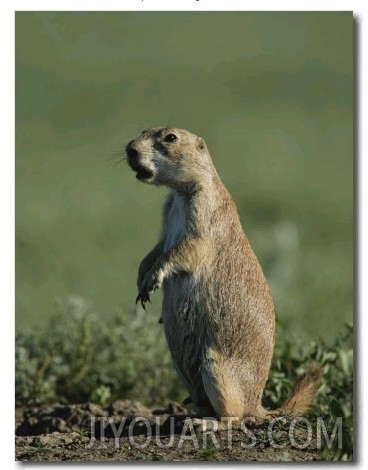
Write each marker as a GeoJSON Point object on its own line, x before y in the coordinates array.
{"type": "Point", "coordinates": [170, 138]}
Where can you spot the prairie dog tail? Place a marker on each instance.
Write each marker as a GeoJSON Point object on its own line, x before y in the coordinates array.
{"type": "Point", "coordinates": [301, 395]}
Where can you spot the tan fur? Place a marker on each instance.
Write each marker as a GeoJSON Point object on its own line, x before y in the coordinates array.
{"type": "Point", "coordinates": [217, 313]}
{"type": "Point", "coordinates": [302, 394]}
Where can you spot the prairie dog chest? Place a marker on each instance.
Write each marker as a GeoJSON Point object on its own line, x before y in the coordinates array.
{"type": "Point", "coordinates": [175, 221]}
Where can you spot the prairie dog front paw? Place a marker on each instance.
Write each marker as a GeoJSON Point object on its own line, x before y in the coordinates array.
{"type": "Point", "coordinates": [151, 282]}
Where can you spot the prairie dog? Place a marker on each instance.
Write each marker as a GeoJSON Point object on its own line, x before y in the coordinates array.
{"type": "Point", "coordinates": [217, 311]}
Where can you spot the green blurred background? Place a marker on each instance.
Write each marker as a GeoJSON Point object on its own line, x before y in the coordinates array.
{"type": "Point", "coordinates": [271, 93]}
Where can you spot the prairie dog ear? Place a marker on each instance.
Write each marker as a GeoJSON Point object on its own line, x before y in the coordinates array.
{"type": "Point", "coordinates": [200, 144]}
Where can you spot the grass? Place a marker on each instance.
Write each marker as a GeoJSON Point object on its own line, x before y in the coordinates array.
{"type": "Point", "coordinates": [77, 358]}
{"type": "Point", "coordinates": [82, 359]}
{"type": "Point", "coordinates": [273, 100]}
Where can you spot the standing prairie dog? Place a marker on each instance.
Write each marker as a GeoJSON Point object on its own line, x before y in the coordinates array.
{"type": "Point", "coordinates": [217, 312]}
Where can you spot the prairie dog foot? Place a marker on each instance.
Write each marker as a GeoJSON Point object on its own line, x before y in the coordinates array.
{"type": "Point", "coordinates": [213, 424]}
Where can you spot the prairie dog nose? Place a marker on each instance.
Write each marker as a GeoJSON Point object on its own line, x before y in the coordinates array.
{"type": "Point", "coordinates": [130, 150]}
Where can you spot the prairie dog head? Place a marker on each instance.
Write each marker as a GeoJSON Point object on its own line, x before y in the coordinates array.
{"type": "Point", "coordinates": [171, 157]}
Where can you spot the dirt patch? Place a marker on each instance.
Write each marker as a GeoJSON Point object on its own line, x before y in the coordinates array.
{"type": "Point", "coordinates": [129, 431]}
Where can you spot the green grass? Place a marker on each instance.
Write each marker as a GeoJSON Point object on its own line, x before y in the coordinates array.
{"type": "Point", "coordinates": [78, 358]}
{"type": "Point", "coordinates": [271, 95]}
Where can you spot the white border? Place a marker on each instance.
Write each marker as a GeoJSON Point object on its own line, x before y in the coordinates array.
{"type": "Point", "coordinates": [7, 234]}
{"type": "Point", "coordinates": [181, 5]}
{"type": "Point", "coordinates": [7, 9]}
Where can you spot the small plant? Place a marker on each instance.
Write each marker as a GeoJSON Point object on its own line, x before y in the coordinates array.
{"type": "Point", "coordinates": [335, 396]}
{"type": "Point", "coordinates": [78, 357]}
